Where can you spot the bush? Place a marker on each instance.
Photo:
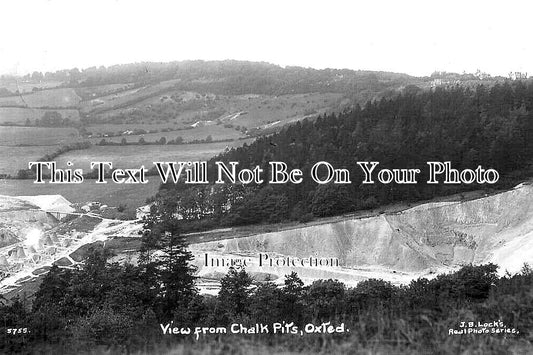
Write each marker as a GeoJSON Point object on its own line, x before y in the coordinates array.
{"type": "Point", "coordinates": [104, 326]}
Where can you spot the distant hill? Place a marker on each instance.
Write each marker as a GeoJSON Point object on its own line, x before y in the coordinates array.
{"type": "Point", "coordinates": [176, 103]}
{"type": "Point", "coordinates": [189, 93]}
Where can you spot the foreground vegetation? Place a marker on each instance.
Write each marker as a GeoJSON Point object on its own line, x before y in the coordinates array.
{"type": "Point", "coordinates": [107, 307]}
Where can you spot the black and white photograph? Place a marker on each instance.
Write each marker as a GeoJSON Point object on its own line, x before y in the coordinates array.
{"type": "Point", "coordinates": [266, 177]}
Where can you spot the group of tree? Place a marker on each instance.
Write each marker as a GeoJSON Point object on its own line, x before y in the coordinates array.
{"type": "Point", "coordinates": [491, 127]}
{"type": "Point", "coordinates": [52, 119]}
{"type": "Point", "coordinates": [115, 307]}
{"type": "Point", "coordinates": [162, 141]}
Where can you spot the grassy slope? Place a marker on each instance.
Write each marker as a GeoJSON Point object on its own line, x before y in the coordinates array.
{"type": "Point", "coordinates": [24, 136]}
{"type": "Point", "coordinates": [64, 97]}
{"type": "Point", "coordinates": [18, 116]}
{"type": "Point", "coordinates": [16, 158]}
{"type": "Point", "coordinates": [136, 155]}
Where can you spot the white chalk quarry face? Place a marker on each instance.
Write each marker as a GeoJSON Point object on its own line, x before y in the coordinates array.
{"type": "Point", "coordinates": [398, 247]}
{"type": "Point", "coordinates": [33, 237]}
{"type": "Point", "coordinates": [21, 216]}
{"type": "Point", "coordinates": [38, 245]}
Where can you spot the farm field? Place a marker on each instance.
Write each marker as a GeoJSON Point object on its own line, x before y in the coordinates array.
{"type": "Point", "coordinates": [16, 158]}
{"type": "Point", "coordinates": [27, 86]}
{"type": "Point", "coordinates": [43, 136]}
{"type": "Point", "coordinates": [126, 97]}
{"type": "Point", "coordinates": [12, 101]}
{"type": "Point", "coordinates": [64, 97]}
{"type": "Point", "coordinates": [261, 110]}
{"type": "Point", "coordinates": [134, 156]}
{"type": "Point", "coordinates": [17, 116]}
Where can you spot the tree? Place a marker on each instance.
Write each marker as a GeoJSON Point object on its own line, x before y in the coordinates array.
{"type": "Point", "coordinates": [177, 274]}
{"type": "Point", "coordinates": [293, 285]}
{"type": "Point", "coordinates": [325, 299]}
{"type": "Point", "coordinates": [37, 76]}
{"type": "Point", "coordinates": [52, 289]}
{"type": "Point", "coordinates": [165, 259]}
{"type": "Point", "coordinates": [370, 292]}
{"type": "Point", "coordinates": [265, 304]}
{"type": "Point", "coordinates": [25, 174]}
{"type": "Point", "coordinates": [292, 306]}
{"type": "Point", "coordinates": [474, 282]}
{"type": "Point", "coordinates": [89, 286]}
{"type": "Point", "coordinates": [48, 304]}
{"type": "Point", "coordinates": [234, 294]}
{"type": "Point", "coordinates": [330, 200]}
{"type": "Point", "coordinates": [51, 119]}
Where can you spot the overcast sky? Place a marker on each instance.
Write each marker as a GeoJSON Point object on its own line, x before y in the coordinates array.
{"type": "Point", "coordinates": [414, 37]}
